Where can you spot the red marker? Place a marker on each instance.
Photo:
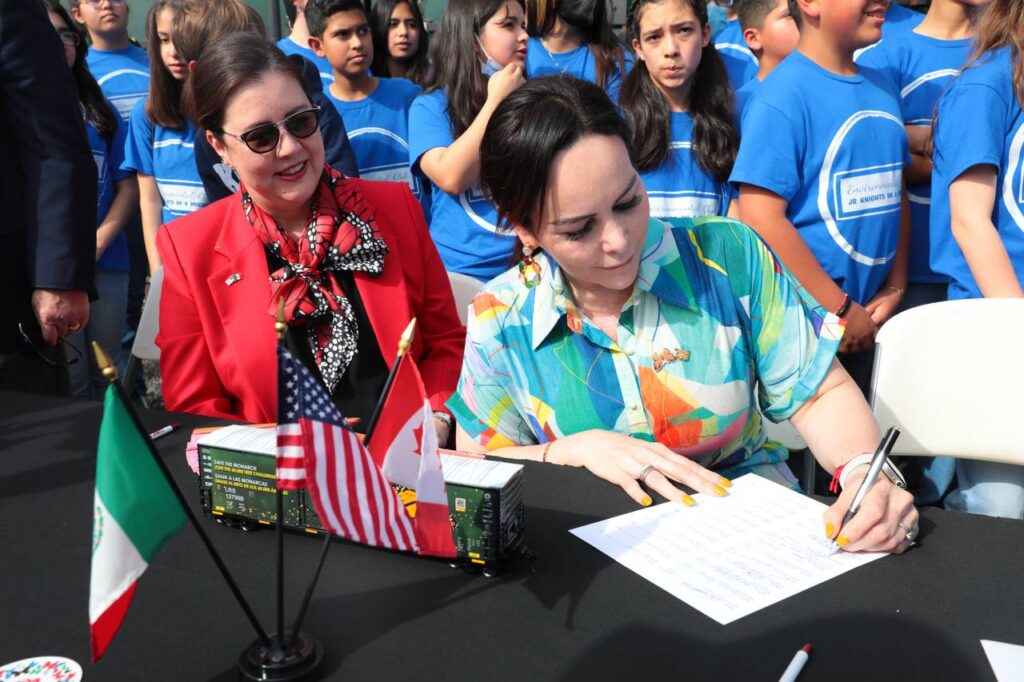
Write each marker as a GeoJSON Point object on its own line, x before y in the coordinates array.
{"type": "Point", "coordinates": [160, 433]}
{"type": "Point", "coordinates": [797, 664]}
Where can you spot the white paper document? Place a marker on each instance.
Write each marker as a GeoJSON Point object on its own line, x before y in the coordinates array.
{"type": "Point", "coordinates": [728, 556]}
{"type": "Point", "coordinates": [1007, 660]}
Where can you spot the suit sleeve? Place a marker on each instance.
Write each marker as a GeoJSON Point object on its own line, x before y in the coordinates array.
{"type": "Point", "coordinates": [49, 150]}
{"type": "Point", "coordinates": [190, 380]}
{"type": "Point", "coordinates": [440, 329]}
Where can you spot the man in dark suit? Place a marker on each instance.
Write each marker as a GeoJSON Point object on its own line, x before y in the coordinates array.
{"type": "Point", "coordinates": [47, 203]}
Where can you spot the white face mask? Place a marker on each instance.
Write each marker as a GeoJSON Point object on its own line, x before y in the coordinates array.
{"type": "Point", "coordinates": [490, 67]}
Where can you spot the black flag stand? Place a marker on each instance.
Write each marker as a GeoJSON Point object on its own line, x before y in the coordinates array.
{"type": "Point", "coordinates": [404, 344]}
{"type": "Point", "coordinates": [110, 373]}
{"type": "Point", "coordinates": [294, 655]}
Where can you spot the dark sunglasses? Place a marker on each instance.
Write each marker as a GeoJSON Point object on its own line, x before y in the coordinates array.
{"type": "Point", "coordinates": [265, 137]}
{"type": "Point", "coordinates": [54, 356]}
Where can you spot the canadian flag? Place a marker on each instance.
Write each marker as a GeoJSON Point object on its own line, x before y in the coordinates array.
{"type": "Point", "coordinates": [404, 445]}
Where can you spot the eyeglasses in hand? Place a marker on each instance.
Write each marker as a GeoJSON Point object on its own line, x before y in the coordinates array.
{"type": "Point", "coordinates": [266, 136]}
{"type": "Point", "coordinates": [51, 355]}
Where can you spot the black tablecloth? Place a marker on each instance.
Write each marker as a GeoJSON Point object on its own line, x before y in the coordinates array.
{"type": "Point", "coordinates": [381, 615]}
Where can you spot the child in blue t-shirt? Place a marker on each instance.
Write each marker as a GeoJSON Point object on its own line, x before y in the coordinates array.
{"type": "Point", "coordinates": [679, 108]}
{"type": "Point", "coordinates": [116, 198]}
{"type": "Point", "coordinates": [375, 110]}
{"type": "Point", "coordinates": [577, 40]}
{"type": "Point", "coordinates": [739, 60]}
{"type": "Point", "coordinates": [771, 34]}
{"type": "Point", "coordinates": [898, 20]}
{"type": "Point", "coordinates": [922, 63]}
{"type": "Point", "coordinates": [297, 41]}
{"type": "Point", "coordinates": [977, 212]}
{"type": "Point", "coordinates": [120, 68]}
{"type": "Point", "coordinates": [160, 140]}
{"type": "Point", "coordinates": [820, 172]}
{"type": "Point", "coordinates": [447, 122]}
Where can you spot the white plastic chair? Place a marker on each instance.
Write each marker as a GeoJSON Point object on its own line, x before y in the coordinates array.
{"type": "Point", "coordinates": [464, 288]}
{"type": "Point", "coordinates": [787, 435]}
{"type": "Point", "coordinates": [950, 376]}
{"type": "Point", "coordinates": [144, 347]}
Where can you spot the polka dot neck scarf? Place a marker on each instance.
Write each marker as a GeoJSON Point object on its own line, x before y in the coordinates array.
{"type": "Point", "coordinates": [341, 235]}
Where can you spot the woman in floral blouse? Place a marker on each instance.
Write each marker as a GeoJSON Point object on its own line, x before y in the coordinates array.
{"type": "Point", "coordinates": [639, 350]}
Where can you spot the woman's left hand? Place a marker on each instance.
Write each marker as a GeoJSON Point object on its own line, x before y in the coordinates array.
{"type": "Point", "coordinates": [882, 524]}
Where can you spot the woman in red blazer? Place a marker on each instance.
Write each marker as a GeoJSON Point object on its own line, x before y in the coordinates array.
{"type": "Point", "coordinates": [344, 254]}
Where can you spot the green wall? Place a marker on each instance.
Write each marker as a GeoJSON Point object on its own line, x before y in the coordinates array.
{"type": "Point", "coordinates": [137, 10]}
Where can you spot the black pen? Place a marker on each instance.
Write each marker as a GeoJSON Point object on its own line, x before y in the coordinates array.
{"type": "Point", "coordinates": [877, 462]}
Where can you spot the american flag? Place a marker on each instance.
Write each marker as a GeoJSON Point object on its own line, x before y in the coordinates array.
{"type": "Point", "coordinates": [316, 449]}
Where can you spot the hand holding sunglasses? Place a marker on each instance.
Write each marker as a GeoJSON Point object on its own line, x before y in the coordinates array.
{"type": "Point", "coordinates": [266, 136]}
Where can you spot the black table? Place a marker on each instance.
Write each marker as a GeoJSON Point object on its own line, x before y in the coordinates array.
{"type": "Point", "coordinates": [382, 615]}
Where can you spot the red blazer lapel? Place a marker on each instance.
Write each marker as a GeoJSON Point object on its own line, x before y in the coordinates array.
{"type": "Point", "coordinates": [387, 304]}
{"type": "Point", "coordinates": [241, 292]}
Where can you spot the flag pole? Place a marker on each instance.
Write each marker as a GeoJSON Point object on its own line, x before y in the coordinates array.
{"type": "Point", "coordinates": [404, 344]}
{"type": "Point", "coordinates": [110, 374]}
{"type": "Point", "coordinates": [281, 328]}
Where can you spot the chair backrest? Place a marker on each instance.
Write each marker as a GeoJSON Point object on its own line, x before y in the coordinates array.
{"type": "Point", "coordinates": [950, 376]}
{"type": "Point", "coordinates": [464, 288]}
{"type": "Point", "coordinates": [784, 433]}
{"type": "Point", "coordinates": [145, 347]}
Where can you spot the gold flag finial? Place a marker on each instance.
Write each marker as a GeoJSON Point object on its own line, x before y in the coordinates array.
{"type": "Point", "coordinates": [405, 343]}
{"type": "Point", "coordinates": [280, 327]}
{"type": "Point", "coordinates": [105, 365]}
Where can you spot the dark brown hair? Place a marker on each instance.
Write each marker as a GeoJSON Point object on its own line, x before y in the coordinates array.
{"type": "Point", "coordinates": [227, 65]}
{"type": "Point", "coordinates": [380, 24]}
{"type": "Point", "coordinates": [97, 109]}
{"type": "Point", "coordinates": [199, 23]}
{"type": "Point", "coordinates": [519, 146]}
{"type": "Point", "coordinates": [163, 105]}
{"type": "Point", "coordinates": [597, 36]}
{"type": "Point", "coordinates": [715, 139]}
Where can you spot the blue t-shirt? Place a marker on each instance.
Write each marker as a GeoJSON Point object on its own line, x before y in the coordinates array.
{"type": "Point", "coordinates": [680, 188]}
{"type": "Point", "coordinates": [743, 97]}
{"type": "Point", "coordinates": [579, 63]}
{"type": "Point", "coordinates": [123, 76]}
{"type": "Point", "coordinates": [740, 62]}
{"type": "Point", "coordinates": [922, 67]}
{"type": "Point", "coordinates": [834, 147]}
{"type": "Point", "coordinates": [463, 226]}
{"type": "Point", "coordinates": [378, 128]}
{"type": "Point", "coordinates": [168, 157]}
{"type": "Point", "coordinates": [288, 46]}
{"type": "Point", "coordinates": [980, 122]}
{"type": "Point", "coordinates": [108, 155]}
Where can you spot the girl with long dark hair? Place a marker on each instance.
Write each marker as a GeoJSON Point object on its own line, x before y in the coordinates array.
{"type": "Point", "coordinates": [116, 197]}
{"type": "Point", "coordinates": [478, 57]}
{"type": "Point", "coordinates": [679, 107]}
{"type": "Point", "coordinates": [574, 37]}
{"type": "Point", "coordinates": [400, 46]}
{"type": "Point", "coordinates": [977, 211]}
{"type": "Point", "coordinates": [161, 137]}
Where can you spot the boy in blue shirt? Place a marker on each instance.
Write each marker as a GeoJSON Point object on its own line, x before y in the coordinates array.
{"type": "Point", "coordinates": [297, 42]}
{"type": "Point", "coordinates": [820, 171]}
{"type": "Point", "coordinates": [375, 110]}
{"type": "Point", "coordinates": [771, 34]}
{"type": "Point", "coordinates": [120, 68]}
{"type": "Point", "coordinates": [740, 62]}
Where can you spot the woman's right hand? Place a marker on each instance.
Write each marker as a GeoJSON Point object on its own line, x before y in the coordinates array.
{"type": "Point", "coordinates": [619, 459]}
{"type": "Point", "coordinates": [503, 83]}
{"type": "Point", "coordinates": [860, 330]}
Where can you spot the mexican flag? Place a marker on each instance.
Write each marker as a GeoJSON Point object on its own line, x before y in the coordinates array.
{"type": "Point", "coordinates": [135, 512]}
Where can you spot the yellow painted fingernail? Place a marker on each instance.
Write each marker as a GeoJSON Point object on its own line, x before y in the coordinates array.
{"type": "Point", "coordinates": [726, 482]}
{"type": "Point", "coordinates": [829, 529]}
{"type": "Point", "coordinates": [688, 501]}
{"type": "Point", "coordinates": [720, 491]}
{"type": "Point", "coordinates": [646, 501]}
{"type": "Point", "coordinates": [842, 541]}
